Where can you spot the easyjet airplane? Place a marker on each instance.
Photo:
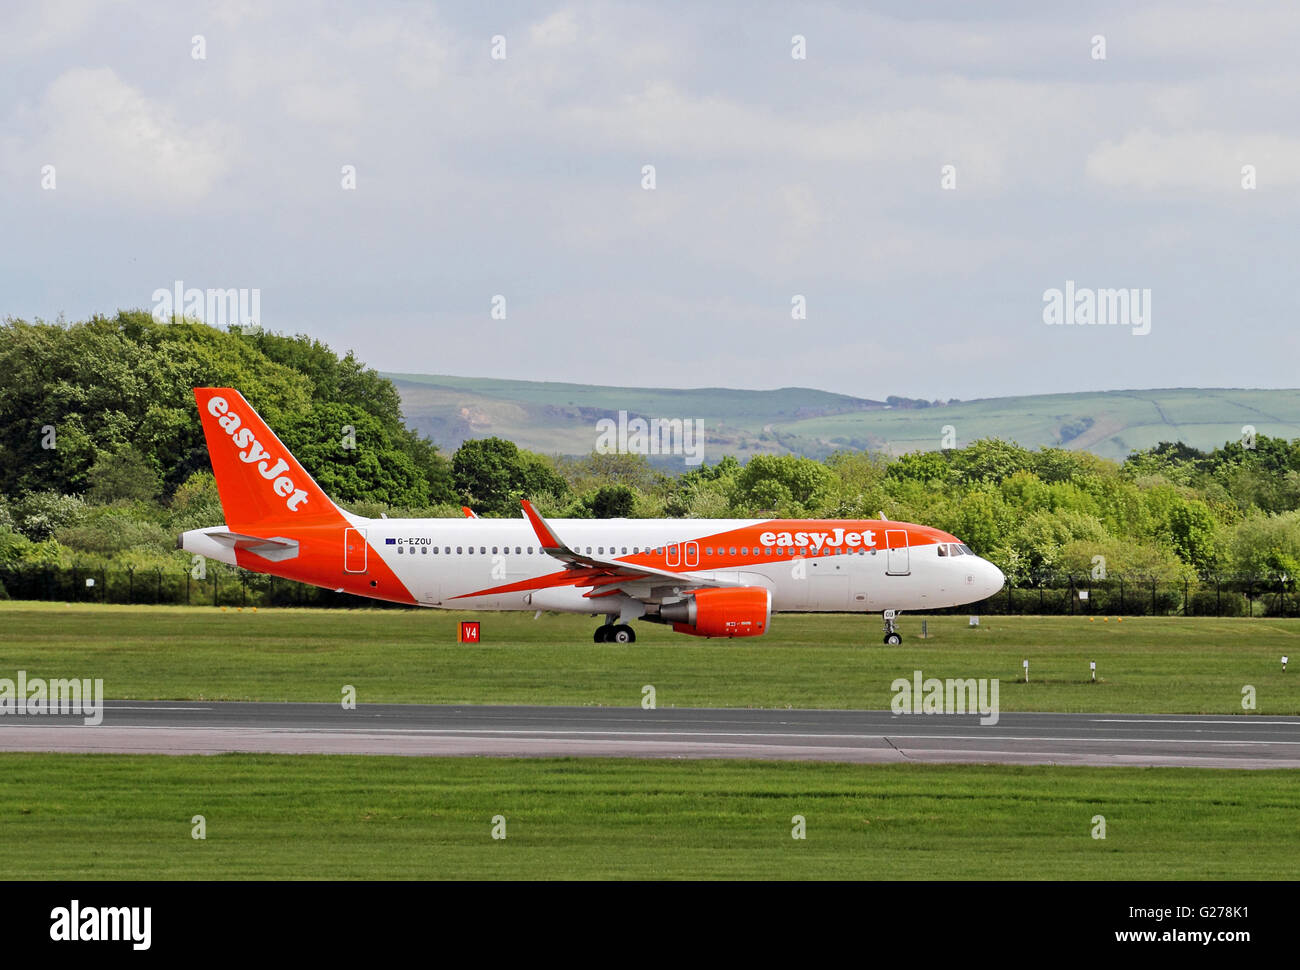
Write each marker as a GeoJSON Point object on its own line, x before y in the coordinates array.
{"type": "Point", "coordinates": [705, 577]}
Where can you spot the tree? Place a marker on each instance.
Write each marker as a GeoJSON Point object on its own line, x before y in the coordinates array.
{"type": "Point", "coordinates": [73, 397]}
{"type": "Point", "coordinates": [38, 515]}
{"type": "Point", "coordinates": [1040, 537]}
{"type": "Point", "coordinates": [1264, 544]}
{"type": "Point", "coordinates": [798, 485]}
{"type": "Point", "coordinates": [1194, 534]}
{"type": "Point", "coordinates": [612, 502]}
{"type": "Point", "coordinates": [353, 457]}
{"type": "Point", "coordinates": [1062, 465]}
{"type": "Point", "coordinates": [617, 468]}
{"type": "Point", "coordinates": [123, 475]}
{"type": "Point", "coordinates": [990, 460]}
{"type": "Point", "coordinates": [982, 519]}
{"type": "Point", "coordinates": [492, 475]}
{"type": "Point", "coordinates": [922, 466]}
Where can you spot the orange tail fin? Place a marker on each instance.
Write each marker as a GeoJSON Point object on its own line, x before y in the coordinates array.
{"type": "Point", "coordinates": [260, 483]}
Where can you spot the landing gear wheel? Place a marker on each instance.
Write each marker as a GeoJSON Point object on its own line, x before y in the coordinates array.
{"type": "Point", "coordinates": [621, 634]}
{"type": "Point", "coordinates": [602, 634]}
{"type": "Point", "coordinates": [892, 637]}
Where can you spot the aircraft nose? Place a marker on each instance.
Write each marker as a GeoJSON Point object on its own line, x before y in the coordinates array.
{"type": "Point", "coordinates": [993, 577]}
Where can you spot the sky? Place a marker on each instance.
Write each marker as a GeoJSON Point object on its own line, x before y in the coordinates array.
{"type": "Point", "coordinates": [919, 181]}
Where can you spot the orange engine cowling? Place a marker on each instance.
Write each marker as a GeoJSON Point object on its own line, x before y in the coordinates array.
{"type": "Point", "coordinates": [742, 612]}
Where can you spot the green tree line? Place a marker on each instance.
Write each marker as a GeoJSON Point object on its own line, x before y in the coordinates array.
{"type": "Point", "coordinates": [102, 460]}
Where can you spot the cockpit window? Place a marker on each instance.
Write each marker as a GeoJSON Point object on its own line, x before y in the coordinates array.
{"type": "Point", "coordinates": [965, 549]}
{"type": "Point", "coordinates": [943, 548]}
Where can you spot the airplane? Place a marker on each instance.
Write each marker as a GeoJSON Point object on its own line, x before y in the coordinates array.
{"type": "Point", "coordinates": [703, 577]}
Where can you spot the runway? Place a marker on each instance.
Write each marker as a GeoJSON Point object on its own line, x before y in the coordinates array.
{"type": "Point", "coordinates": [201, 727]}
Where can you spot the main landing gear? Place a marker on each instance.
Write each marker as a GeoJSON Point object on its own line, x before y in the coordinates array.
{"type": "Point", "coordinates": [892, 637]}
{"type": "Point", "coordinates": [615, 633]}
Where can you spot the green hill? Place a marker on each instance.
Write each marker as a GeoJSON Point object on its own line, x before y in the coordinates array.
{"type": "Point", "coordinates": [561, 418]}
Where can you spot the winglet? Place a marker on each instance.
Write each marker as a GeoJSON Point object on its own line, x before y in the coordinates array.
{"type": "Point", "coordinates": [550, 541]}
{"type": "Point", "coordinates": [469, 512]}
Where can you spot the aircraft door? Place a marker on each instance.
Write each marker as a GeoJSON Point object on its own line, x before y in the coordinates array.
{"type": "Point", "coordinates": [899, 561]}
{"type": "Point", "coordinates": [354, 550]}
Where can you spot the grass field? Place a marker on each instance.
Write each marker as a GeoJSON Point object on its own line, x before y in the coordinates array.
{"type": "Point", "coordinates": [1154, 665]}
{"type": "Point", "coordinates": [286, 817]}
{"type": "Point", "coordinates": [334, 817]}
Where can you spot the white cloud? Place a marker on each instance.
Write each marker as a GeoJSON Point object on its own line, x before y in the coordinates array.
{"type": "Point", "coordinates": [1222, 33]}
{"type": "Point", "coordinates": [43, 26]}
{"type": "Point", "coordinates": [110, 142]}
{"type": "Point", "coordinates": [775, 177]}
{"type": "Point", "coordinates": [560, 29]}
{"type": "Point", "coordinates": [330, 103]}
{"type": "Point", "coordinates": [238, 13]}
{"type": "Point", "coordinates": [1199, 161]}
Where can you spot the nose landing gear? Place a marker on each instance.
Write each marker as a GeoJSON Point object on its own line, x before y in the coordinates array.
{"type": "Point", "coordinates": [892, 637]}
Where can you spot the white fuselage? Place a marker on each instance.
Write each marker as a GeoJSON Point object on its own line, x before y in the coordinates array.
{"type": "Point", "coordinates": [462, 563]}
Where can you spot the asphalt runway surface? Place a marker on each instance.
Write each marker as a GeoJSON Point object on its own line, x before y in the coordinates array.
{"type": "Point", "coordinates": [206, 727]}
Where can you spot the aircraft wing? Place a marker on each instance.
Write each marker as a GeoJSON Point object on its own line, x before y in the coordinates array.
{"type": "Point", "coordinates": [607, 576]}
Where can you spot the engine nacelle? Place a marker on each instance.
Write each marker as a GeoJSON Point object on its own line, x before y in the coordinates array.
{"type": "Point", "coordinates": [742, 612]}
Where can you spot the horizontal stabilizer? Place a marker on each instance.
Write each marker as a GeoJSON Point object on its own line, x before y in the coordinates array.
{"type": "Point", "coordinates": [216, 541]}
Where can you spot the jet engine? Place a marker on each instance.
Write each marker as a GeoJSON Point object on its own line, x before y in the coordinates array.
{"type": "Point", "coordinates": [737, 612]}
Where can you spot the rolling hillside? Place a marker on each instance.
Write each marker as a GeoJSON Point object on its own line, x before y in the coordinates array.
{"type": "Point", "coordinates": [561, 418]}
